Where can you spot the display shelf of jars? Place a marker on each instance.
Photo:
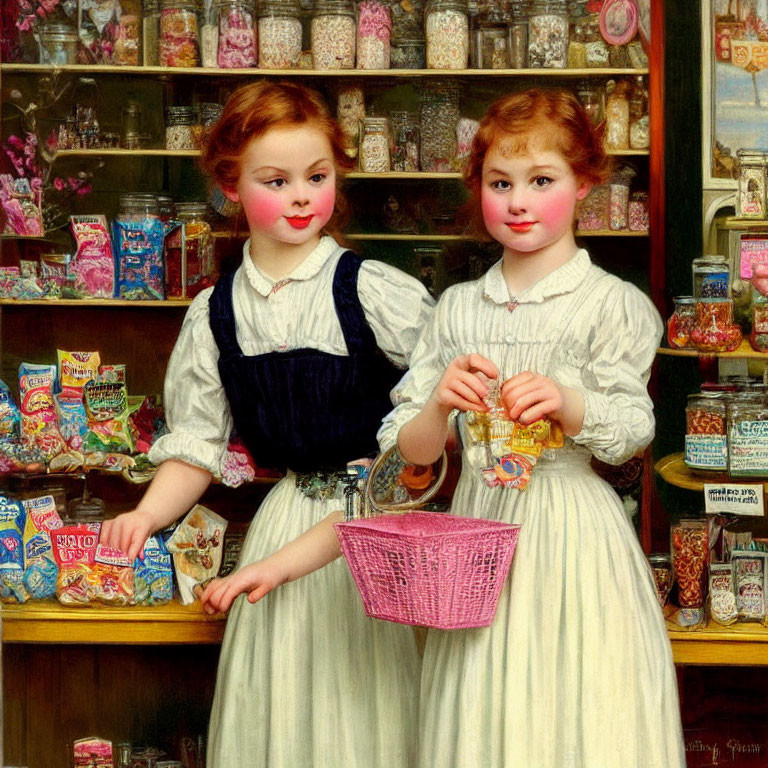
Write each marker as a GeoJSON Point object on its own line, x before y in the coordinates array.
{"type": "Point", "coordinates": [47, 621]}
{"type": "Point", "coordinates": [96, 303]}
{"type": "Point", "coordinates": [365, 73]}
{"type": "Point", "coordinates": [675, 471]}
{"type": "Point", "coordinates": [744, 350]}
{"type": "Point", "coordinates": [741, 644]}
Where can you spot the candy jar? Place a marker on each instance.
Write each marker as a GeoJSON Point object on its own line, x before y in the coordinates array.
{"type": "Point", "coordinates": [405, 141]}
{"type": "Point", "coordinates": [616, 115]}
{"type": "Point", "coordinates": [439, 117]}
{"type": "Point", "coordinates": [663, 576]}
{"type": "Point", "coordinates": [190, 270]}
{"type": "Point", "coordinates": [638, 213]}
{"type": "Point", "coordinates": [548, 34]}
{"type": "Point", "coordinates": [518, 35]}
{"type": "Point", "coordinates": [178, 33]}
{"type": "Point", "coordinates": [681, 322]}
{"type": "Point", "coordinates": [237, 34]}
{"type": "Point", "coordinates": [131, 125]}
{"type": "Point", "coordinates": [715, 330]}
{"type": "Point", "coordinates": [209, 36]}
{"type": "Point", "coordinates": [150, 30]}
{"type": "Point", "coordinates": [619, 205]}
{"type": "Point", "coordinates": [127, 35]}
{"type": "Point", "coordinates": [751, 200]}
{"type": "Point", "coordinates": [596, 49]}
{"type": "Point", "coordinates": [577, 47]}
{"type": "Point", "coordinates": [280, 34]}
{"type": "Point", "coordinates": [374, 27]}
{"type": "Point", "coordinates": [593, 212]}
{"type": "Point", "coordinates": [639, 123]}
{"type": "Point", "coordinates": [447, 34]}
{"type": "Point", "coordinates": [350, 111]}
{"type": "Point", "coordinates": [58, 45]}
{"type": "Point", "coordinates": [591, 98]}
{"type": "Point", "coordinates": [182, 128]}
{"type": "Point", "coordinates": [690, 556]}
{"type": "Point", "coordinates": [408, 53]}
{"type": "Point", "coordinates": [710, 276]}
{"type": "Point", "coordinates": [494, 41]}
{"type": "Point", "coordinates": [758, 338]}
{"type": "Point", "coordinates": [706, 440]}
{"type": "Point", "coordinates": [748, 435]}
{"type": "Point", "coordinates": [333, 32]}
{"type": "Point", "coordinates": [374, 145]}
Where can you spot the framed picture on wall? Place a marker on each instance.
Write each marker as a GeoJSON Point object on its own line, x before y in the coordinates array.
{"type": "Point", "coordinates": [734, 85]}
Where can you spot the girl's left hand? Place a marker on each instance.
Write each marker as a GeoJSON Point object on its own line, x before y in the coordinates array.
{"type": "Point", "coordinates": [257, 579]}
{"type": "Point", "coordinates": [528, 397]}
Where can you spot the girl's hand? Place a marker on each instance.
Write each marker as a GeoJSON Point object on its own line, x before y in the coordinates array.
{"type": "Point", "coordinates": [529, 397]}
{"type": "Point", "coordinates": [257, 579]}
{"type": "Point", "coordinates": [127, 532]}
{"type": "Point", "coordinates": [460, 387]}
{"type": "Point", "coordinates": [760, 278]}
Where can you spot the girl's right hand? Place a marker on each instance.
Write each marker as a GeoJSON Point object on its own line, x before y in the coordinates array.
{"type": "Point", "coordinates": [257, 579]}
{"type": "Point", "coordinates": [460, 386]}
{"type": "Point", "coordinates": [127, 532]}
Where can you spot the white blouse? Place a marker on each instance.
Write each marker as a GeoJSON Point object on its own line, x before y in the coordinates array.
{"type": "Point", "coordinates": [579, 325]}
{"type": "Point", "coordinates": [292, 313]}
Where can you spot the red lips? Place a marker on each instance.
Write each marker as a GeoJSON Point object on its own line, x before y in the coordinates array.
{"type": "Point", "coordinates": [299, 222]}
{"type": "Point", "coordinates": [521, 226]}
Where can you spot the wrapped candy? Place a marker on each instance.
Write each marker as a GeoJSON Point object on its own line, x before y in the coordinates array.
{"type": "Point", "coordinates": [93, 266]}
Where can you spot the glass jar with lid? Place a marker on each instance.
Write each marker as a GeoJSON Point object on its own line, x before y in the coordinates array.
{"type": "Point", "coordinates": [596, 49]}
{"type": "Point", "coordinates": [182, 128]}
{"type": "Point", "coordinates": [333, 32]}
{"type": "Point", "coordinates": [135, 206]}
{"type": "Point", "coordinates": [405, 141]}
{"type": "Point", "coordinates": [591, 97]}
{"type": "Point", "coordinates": [280, 34]}
{"type": "Point", "coordinates": [751, 199]}
{"type": "Point", "coordinates": [518, 34]}
{"type": "Point", "coordinates": [638, 213]}
{"type": "Point", "coordinates": [209, 35]}
{"type": "Point", "coordinates": [407, 53]}
{"type": "Point", "coordinates": [706, 441]}
{"type": "Point", "coordinates": [663, 576]}
{"type": "Point", "coordinates": [748, 435]}
{"type": "Point", "coordinates": [150, 32]}
{"type": "Point", "coordinates": [236, 47]}
{"type": "Point", "coordinates": [689, 546]}
{"type": "Point", "coordinates": [58, 44]}
{"type": "Point", "coordinates": [131, 125]}
{"type": "Point", "coordinates": [439, 116]}
{"type": "Point", "coordinates": [189, 253]}
{"type": "Point", "coordinates": [711, 275]}
{"type": "Point", "coordinates": [758, 337]}
{"type": "Point", "coordinates": [548, 34]}
{"type": "Point", "coordinates": [616, 115]}
{"type": "Point", "coordinates": [374, 28]}
{"type": "Point", "coordinates": [447, 34]}
{"type": "Point", "coordinates": [179, 37]}
{"type": "Point", "coordinates": [374, 145]}
{"type": "Point", "coordinates": [681, 322]}
{"type": "Point", "coordinates": [715, 330]}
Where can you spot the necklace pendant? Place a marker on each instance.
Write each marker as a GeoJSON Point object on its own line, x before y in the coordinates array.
{"type": "Point", "coordinates": [512, 305]}
{"type": "Point", "coordinates": [280, 284]}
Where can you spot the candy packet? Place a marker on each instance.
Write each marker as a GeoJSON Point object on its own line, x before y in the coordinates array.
{"type": "Point", "coordinates": [111, 579]}
{"type": "Point", "coordinates": [10, 416]}
{"type": "Point", "coordinates": [74, 549]}
{"type": "Point", "coordinates": [749, 579]}
{"type": "Point", "coordinates": [505, 451]}
{"type": "Point", "coordinates": [10, 282]}
{"type": "Point", "coordinates": [107, 413]}
{"type": "Point", "coordinates": [93, 266]}
{"type": "Point", "coordinates": [153, 576]}
{"type": "Point", "coordinates": [53, 274]}
{"type": "Point", "coordinates": [92, 752]}
{"type": "Point", "coordinates": [73, 423]}
{"type": "Point", "coordinates": [722, 598]}
{"type": "Point", "coordinates": [12, 589]}
{"type": "Point", "coordinates": [40, 569]}
{"type": "Point", "coordinates": [139, 251]}
{"type": "Point", "coordinates": [39, 426]}
{"type": "Point", "coordinates": [76, 369]}
{"type": "Point", "coordinates": [196, 546]}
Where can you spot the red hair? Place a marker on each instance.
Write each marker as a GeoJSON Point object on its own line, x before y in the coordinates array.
{"type": "Point", "coordinates": [549, 120]}
{"type": "Point", "coordinates": [253, 110]}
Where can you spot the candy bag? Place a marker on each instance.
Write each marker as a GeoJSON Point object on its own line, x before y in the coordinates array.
{"type": "Point", "coordinates": [40, 569]}
{"type": "Point", "coordinates": [196, 546]}
{"type": "Point", "coordinates": [74, 549]}
{"type": "Point", "coordinates": [107, 413]}
{"type": "Point", "coordinates": [153, 576]}
{"type": "Point", "coordinates": [76, 369]}
{"type": "Point", "coordinates": [93, 266]}
{"type": "Point", "coordinates": [10, 416]}
{"type": "Point", "coordinates": [12, 589]}
{"type": "Point", "coordinates": [73, 423]}
{"type": "Point", "coordinates": [38, 412]}
{"type": "Point", "coordinates": [139, 251]}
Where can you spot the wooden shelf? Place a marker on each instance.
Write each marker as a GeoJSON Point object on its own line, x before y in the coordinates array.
{"type": "Point", "coordinates": [735, 223]}
{"type": "Point", "coordinates": [47, 621]}
{"type": "Point", "coordinates": [744, 350]}
{"type": "Point", "coordinates": [675, 471]}
{"type": "Point", "coordinates": [94, 303]}
{"type": "Point", "coordinates": [741, 644]}
{"type": "Point", "coordinates": [92, 69]}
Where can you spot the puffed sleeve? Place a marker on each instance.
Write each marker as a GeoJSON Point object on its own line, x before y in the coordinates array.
{"type": "Point", "coordinates": [196, 406]}
{"type": "Point", "coordinates": [397, 307]}
{"type": "Point", "coordinates": [618, 416]}
{"type": "Point", "coordinates": [430, 358]}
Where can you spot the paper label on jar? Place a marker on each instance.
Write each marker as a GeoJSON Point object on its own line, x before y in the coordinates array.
{"type": "Point", "coordinates": [748, 448]}
{"type": "Point", "coordinates": [753, 250]}
{"type": "Point", "coordinates": [714, 285]}
{"type": "Point", "coordinates": [734, 499]}
{"type": "Point", "coordinates": [706, 451]}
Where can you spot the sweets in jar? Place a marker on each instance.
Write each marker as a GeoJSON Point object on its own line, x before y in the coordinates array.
{"type": "Point", "coordinates": [715, 330]}
{"type": "Point", "coordinates": [681, 322]}
{"type": "Point", "coordinates": [706, 441]}
{"type": "Point", "coordinates": [758, 338]}
{"type": "Point", "coordinates": [690, 555]}
{"type": "Point", "coordinates": [748, 436]}
{"type": "Point", "coordinates": [663, 576]}
{"type": "Point", "coordinates": [178, 33]}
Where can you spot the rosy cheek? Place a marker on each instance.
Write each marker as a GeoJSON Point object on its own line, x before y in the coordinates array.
{"type": "Point", "coordinates": [262, 209]}
{"type": "Point", "coordinates": [493, 209]}
{"type": "Point", "coordinates": [559, 208]}
{"type": "Point", "coordinates": [324, 202]}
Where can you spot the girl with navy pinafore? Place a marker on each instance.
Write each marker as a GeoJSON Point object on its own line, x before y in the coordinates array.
{"type": "Point", "coordinates": [297, 350]}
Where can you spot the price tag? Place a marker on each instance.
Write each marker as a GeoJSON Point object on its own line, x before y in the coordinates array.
{"type": "Point", "coordinates": [734, 500]}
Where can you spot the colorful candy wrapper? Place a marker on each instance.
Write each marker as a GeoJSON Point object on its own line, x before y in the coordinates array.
{"type": "Point", "coordinates": [39, 426]}
{"type": "Point", "coordinates": [153, 576]}
{"type": "Point", "coordinates": [10, 282]}
{"type": "Point", "coordinates": [196, 546]}
{"type": "Point", "coordinates": [53, 274]}
{"type": "Point", "coordinates": [12, 589]}
{"type": "Point", "coordinates": [92, 753]}
{"type": "Point", "coordinates": [73, 424]}
{"type": "Point", "coordinates": [112, 577]}
{"type": "Point", "coordinates": [76, 369]}
{"type": "Point", "coordinates": [139, 251]}
{"type": "Point", "coordinates": [40, 569]}
{"type": "Point", "coordinates": [107, 413]}
{"type": "Point", "coordinates": [749, 579]}
{"type": "Point", "coordinates": [74, 549]}
{"type": "Point", "coordinates": [93, 266]}
{"type": "Point", "coordinates": [112, 374]}
{"type": "Point", "coordinates": [10, 416]}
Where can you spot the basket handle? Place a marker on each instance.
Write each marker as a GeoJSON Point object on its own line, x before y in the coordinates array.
{"type": "Point", "coordinates": [370, 507]}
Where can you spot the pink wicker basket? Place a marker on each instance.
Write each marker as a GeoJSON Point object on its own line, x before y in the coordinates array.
{"type": "Point", "coordinates": [431, 569]}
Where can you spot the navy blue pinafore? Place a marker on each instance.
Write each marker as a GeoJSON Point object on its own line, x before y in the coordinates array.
{"type": "Point", "coordinates": [304, 409]}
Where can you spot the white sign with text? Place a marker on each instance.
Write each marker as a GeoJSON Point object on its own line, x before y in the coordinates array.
{"type": "Point", "coordinates": [734, 499]}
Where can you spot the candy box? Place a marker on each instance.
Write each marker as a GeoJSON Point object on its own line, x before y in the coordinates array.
{"type": "Point", "coordinates": [196, 546]}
